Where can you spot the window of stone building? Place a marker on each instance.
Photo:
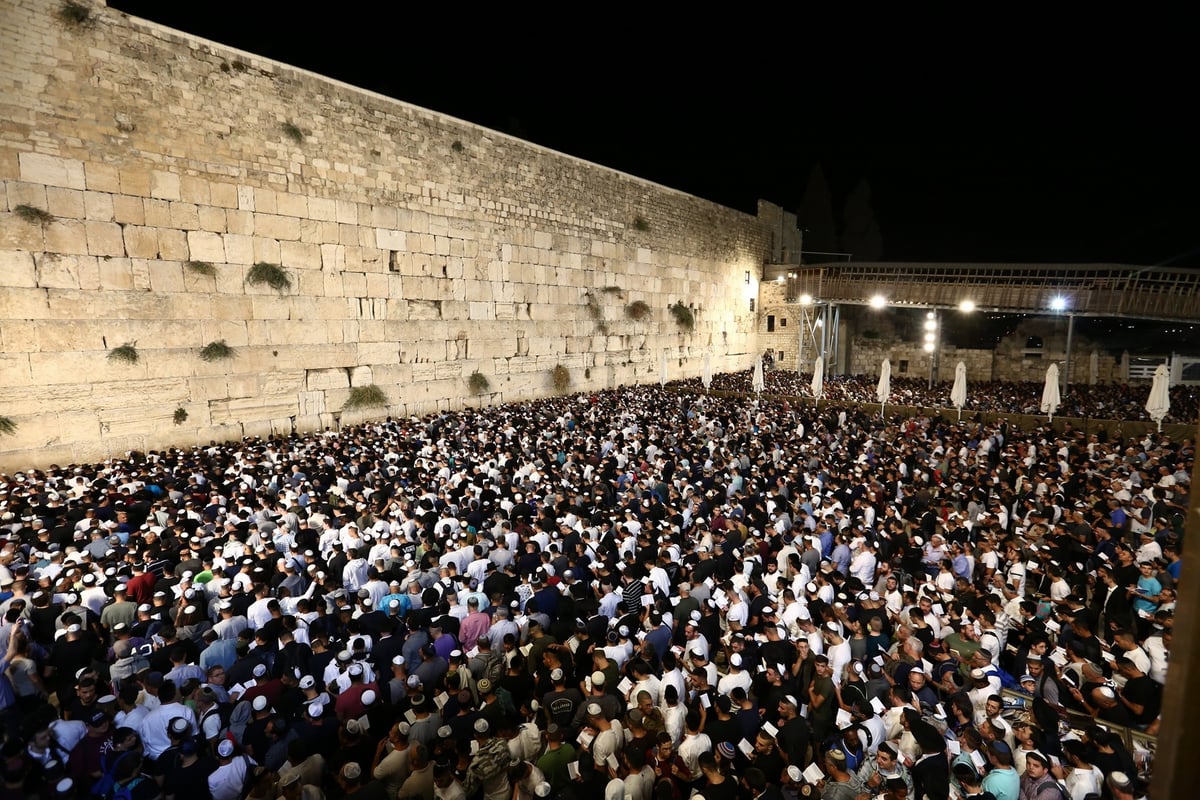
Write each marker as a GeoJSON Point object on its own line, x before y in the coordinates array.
{"type": "Point", "coordinates": [780, 356]}
{"type": "Point", "coordinates": [770, 323]}
{"type": "Point", "coordinates": [783, 322]}
{"type": "Point", "coordinates": [752, 304]}
{"type": "Point", "coordinates": [903, 365]}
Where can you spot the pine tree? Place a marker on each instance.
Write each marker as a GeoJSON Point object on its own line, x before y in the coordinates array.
{"type": "Point", "coordinates": [815, 217]}
{"type": "Point", "coordinates": [860, 229]}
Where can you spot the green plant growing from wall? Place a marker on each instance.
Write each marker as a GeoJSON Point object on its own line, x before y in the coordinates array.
{"type": "Point", "coordinates": [612, 290]}
{"type": "Point", "coordinates": [126, 353]}
{"type": "Point", "coordinates": [683, 316]}
{"type": "Point", "coordinates": [33, 215]}
{"type": "Point", "coordinates": [370, 396]}
{"type": "Point", "coordinates": [561, 377]}
{"type": "Point", "coordinates": [478, 382]}
{"type": "Point", "coordinates": [272, 275]}
{"type": "Point", "coordinates": [593, 306]}
{"type": "Point", "coordinates": [180, 416]}
{"type": "Point", "coordinates": [637, 310]}
{"type": "Point", "coordinates": [74, 15]}
{"type": "Point", "coordinates": [201, 268]}
{"type": "Point", "coordinates": [217, 351]}
{"type": "Point", "coordinates": [292, 131]}
{"type": "Point", "coordinates": [456, 146]}
{"type": "Point", "coordinates": [7, 426]}
{"type": "Point", "coordinates": [640, 223]}
{"type": "Point", "coordinates": [602, 327]}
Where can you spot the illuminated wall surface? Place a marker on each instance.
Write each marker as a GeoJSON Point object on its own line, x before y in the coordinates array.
{"type": "Point", "coordinates": [145, 172]}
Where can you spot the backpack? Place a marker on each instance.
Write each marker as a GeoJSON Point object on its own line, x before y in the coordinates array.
{"type": "Point", "coordinates": [107, 782]}
{"type": "Point", "coordinates": [493, 668]}
{"type": "Point", "coordinates": [126, 792]}
{"type": "Point", "coordinates": [224, 712]}
{"type": "Point", "coordinates": [1007, 681]}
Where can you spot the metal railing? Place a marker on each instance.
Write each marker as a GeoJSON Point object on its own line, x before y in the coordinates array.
{"type": "Point", "coordinates": [1098, 290]}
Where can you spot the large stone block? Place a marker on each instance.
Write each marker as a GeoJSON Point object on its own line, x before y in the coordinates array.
{"type": "Point", "coordinates": [321, 379]}
{"type": "Point", "coordinates": [164, 185]}
{"type": "Point", "coordinates": [141, 242]}
{"type": "Point", "coordinates": [206, 246]}
{"type": "Point", "coordinates": [17, 268]}
{"type": "Point", "coordinates": [67, 236]}
{"type": "Point", "coordinates": [52, 170]}
{"type": "Point", "coordinates": [65, 203]}
{"type": "Point", "coordinates": [104, 239]}
{"type": "Point", "coordinates": [58, 272]}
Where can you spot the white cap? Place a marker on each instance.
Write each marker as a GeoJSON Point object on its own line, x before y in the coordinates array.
{"type": "Point", "coordinates": [260, 703]}
{"type": "Point", "coordinates": [225, 748]}
{"type": "Point", "coordinates": [594, 709]}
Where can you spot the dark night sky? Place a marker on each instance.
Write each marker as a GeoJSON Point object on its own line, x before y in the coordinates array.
{"type": "Point", "coordinates": [979, 143]}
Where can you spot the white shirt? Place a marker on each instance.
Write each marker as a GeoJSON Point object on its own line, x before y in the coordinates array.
{"type": "Point", "coordinates": [154, 726]}
{"type": "Point", "coordinates": [690, 750]}
{"type": "Point", "coordinates": [227, 781]}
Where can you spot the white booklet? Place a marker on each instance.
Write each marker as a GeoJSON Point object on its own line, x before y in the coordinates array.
{"type": "Point", "coordinates": [812, 773]}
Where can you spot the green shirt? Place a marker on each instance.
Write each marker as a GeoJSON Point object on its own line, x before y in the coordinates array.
{"type": "Point", "coordinates": [553, 765]}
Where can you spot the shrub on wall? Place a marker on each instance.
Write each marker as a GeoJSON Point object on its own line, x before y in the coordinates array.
{"type": "Point", "coordinates": [180, 416]}
{"type": "Point", "coordinates": [201, 268]}
{"type": "Point", "coordinates": [217, 351]}
{"type": "Point", "coordinates": [272, 275]}
{"type": "Point", "coordinates": [293, 132]}
{"type": "Point", "coordinates": [33, 215]}
{"type": "Point", "coordinates": [478, 382]}
{"type": "Point", "coordinates": [637, 310]}
{"type": "Point", "coordinates": [683, 316]}
{"type": "Point", "coordinates": [366, 397]}
{"type": "Point", "coordinates": [74, 15]}
{"type": "Point", "coordinates": [7, 426]}
{"type": "Point", "coordinates": [561, 377]}
{"type": "Point", "coordinates": [640, 223]}
{"type": "Point", "coordinates": [126, 353]}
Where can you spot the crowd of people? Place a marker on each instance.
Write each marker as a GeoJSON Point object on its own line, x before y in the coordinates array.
{"type": "Point", "coordinates": [1104, 401]}
{"type": "Point", "coordinates": [633, 594]}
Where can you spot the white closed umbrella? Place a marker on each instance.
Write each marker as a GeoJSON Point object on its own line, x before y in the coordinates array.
{"type": "Point", "coordinates": [662, 369]}
{"type": "Point", "coordinates": [958, 392]}
{"type": "Point", "coordinates": [818, 379]}
{"type": "Point", "coordinates": [1158, 404]}
{"type": "Point", "coordinates": [707, 377]}
{"type": "Point", "coordinates": [758, 383]}
{"type": "Point", "coordinates": [884, 387]}
{"type": "Point", "coordinates": [1051, 395]}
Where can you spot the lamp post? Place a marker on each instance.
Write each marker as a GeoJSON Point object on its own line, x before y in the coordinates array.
{"type": "Point", "coordinates": [933, 331]}
{"type": "Point", "coordinates": [1058, 304]}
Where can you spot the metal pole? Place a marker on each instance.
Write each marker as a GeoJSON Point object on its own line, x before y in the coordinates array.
{"type": "Point", "coordinates": [825, 333]}
{"type": "Point", "coordinates": [1067, 366]}
{"type": "Point", "coordinates": [803, 333]}
{"type": "Point", "coordinates": [937, 347]}
{"type": "Point", "coordinates": [835, 340]}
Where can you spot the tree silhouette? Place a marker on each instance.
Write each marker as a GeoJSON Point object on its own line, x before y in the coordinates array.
{"type": "Point", "coordinates": [815, 217]}
{"type": "Point", "coordinates": [860, 229]}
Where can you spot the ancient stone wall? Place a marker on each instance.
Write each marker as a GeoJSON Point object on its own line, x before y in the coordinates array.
{"type": "Point", "coordinates": [144, 172]}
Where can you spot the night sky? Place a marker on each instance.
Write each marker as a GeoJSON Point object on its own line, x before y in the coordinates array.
{"type": "Point", "coordinates": [979, 142]}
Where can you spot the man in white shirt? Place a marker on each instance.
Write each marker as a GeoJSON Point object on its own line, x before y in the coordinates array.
{"type": "Point", "coordinates": [837, 649]}
{"type": "Point", "coordinates": [229, 778]}
{"type": "Point", "coordinates": [153, 729]}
